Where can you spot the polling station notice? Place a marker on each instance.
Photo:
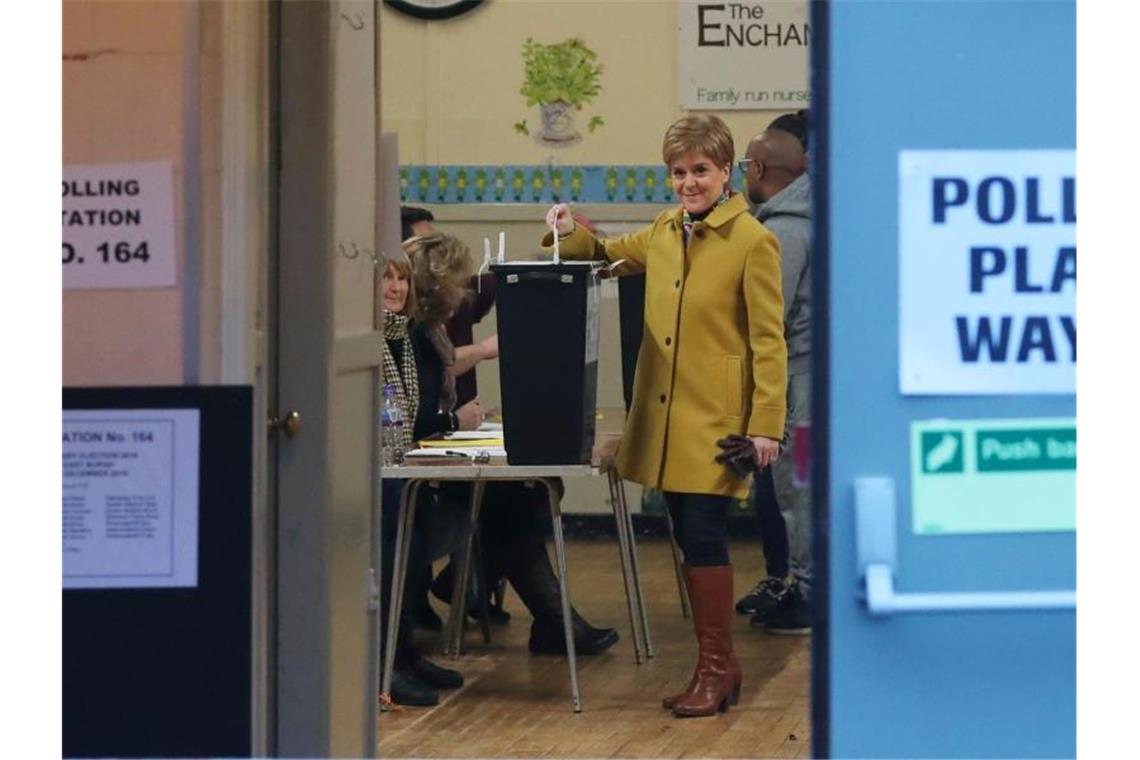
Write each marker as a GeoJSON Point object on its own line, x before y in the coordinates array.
{"type": "Point", "coordinates": [987, 271]}
{"type": "Point", "coordinates": [118, 225]}
{"type": "Point", "coordinates": [130, 498]}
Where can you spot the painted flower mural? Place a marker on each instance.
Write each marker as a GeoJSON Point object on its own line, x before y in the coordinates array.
{"type": "Point", "coordinates": [559, 78]}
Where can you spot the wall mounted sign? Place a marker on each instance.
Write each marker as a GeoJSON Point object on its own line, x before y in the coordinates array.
{"type": "Point", "coordinates": [742, 56]}
{"type": "Point", "coordinates": [993, 476]}
{"type": "Point", "coordinates": [130, 498]}
{"type": "Point", "coordinates": [118, 225]}
{"type": "Point", "coordinates": [987, 271]}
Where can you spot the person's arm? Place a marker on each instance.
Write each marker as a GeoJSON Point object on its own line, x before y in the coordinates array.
{"type": "Point", "coordinates": [466, 357]}
{"type": "Point", "coordinates": [764, 305]}
{"type": "Point", "coordinates": [483, 286]}
{"type": "Point", "coordinates": [793, 259]}
{"type": "Point", "coordinates": [576, 242]}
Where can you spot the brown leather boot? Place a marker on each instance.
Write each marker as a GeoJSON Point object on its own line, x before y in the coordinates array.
{"type": "Point", "coordinates": [717, 679]}
{"type": "Point", "coordinates": [671, 700]}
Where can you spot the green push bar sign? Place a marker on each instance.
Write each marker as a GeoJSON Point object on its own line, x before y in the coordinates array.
{"type": "Point", "coordinates": [993, 476]}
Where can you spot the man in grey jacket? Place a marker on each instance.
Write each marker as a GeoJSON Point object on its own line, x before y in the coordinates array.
{"type": "Point", "coordinates": [775, 168]}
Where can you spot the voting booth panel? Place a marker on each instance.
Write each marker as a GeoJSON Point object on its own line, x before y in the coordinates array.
{"type": "Point", "coordinates": [157, 639]}
{"type": "Point", "coordinates": [548, 360]}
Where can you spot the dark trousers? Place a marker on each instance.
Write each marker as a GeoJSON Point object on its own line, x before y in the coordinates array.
{"type": "Point", "coordinates": [440, 526]}
{"type": "Point", "coordinates": [773, 530]}
{"type": "Point", "coordinates": [700, 526]}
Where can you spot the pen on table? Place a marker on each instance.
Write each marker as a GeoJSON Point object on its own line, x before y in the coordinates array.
{"type": "Point", "coordinates": [456, 454]}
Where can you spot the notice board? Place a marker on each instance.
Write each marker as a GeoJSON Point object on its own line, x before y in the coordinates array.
{"type": "Point", "coordinates": [166, 671]}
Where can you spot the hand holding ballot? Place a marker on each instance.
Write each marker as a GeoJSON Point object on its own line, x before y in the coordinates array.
{"type": "Point", "coordinates": [560, 219]}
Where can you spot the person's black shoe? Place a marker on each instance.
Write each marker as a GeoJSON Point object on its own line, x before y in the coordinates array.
{"type": "Point", "coordinates": [547, 637]}
{"type": "Point", "coordinates": [408, 690]}
{"type": "Point", "coordinates": [791, 618]}
{"type": "Point", "coordinates": [764, 597]}
{"type": "Point", "coordinates": [443, 586]}
{"type": "Point", "coordinates": [436, 676]}
{"type": "Point", "coordinates": [424, 617]}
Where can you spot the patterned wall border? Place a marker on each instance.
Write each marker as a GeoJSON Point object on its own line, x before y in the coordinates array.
{"type": "Point", "coordinates": [537, 183]}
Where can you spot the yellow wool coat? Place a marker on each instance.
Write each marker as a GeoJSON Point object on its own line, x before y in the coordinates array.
{"type": "Point", "coordinates": [713, 359]}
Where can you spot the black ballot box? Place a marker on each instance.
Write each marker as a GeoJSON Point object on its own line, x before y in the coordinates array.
{"type": "Point", "coordinates": [547, 317]}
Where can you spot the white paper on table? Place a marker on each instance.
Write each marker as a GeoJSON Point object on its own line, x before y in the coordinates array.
{"type": "Point", "coordinates": [469, 453]}
{"type": "Point", "coordinates": [491, 427]}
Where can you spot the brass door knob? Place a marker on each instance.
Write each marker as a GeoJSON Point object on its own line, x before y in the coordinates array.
{"type": "Point", "coordinates": [289, 425]}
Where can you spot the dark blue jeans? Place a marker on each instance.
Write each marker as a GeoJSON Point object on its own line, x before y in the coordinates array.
{"type": "Point", "coordinates": [700, 526]}
{"type": "Point", "coordinates": [773, 530]}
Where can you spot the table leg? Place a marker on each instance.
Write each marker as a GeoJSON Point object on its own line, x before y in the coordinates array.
{"type": "Point", "coordinates": [404, 524]}
{"type": "Point", "coordinates": [682, 589]}
{"type": "Point", "coordinates": [462, 575]}
{"type": "Point", "coordinates": [481, 587]}
{"type": "Point", "coordinates": [635, 564]}
{"type": "Point", "coordinates": [564, 588]}
{"type": "Point", "coordinates": [626, 567]}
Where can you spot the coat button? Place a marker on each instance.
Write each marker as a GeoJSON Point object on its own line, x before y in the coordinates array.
{"type": "Point", "coordinates": [699, 233]}
{"type": "Point", "coordinates": [668, 341]}
{"type": "Point", "coordinates": [677, 284]}
{"type": "Point", "coordinates": [662, 398]}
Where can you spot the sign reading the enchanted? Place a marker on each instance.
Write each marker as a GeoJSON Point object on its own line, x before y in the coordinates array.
{"type": "Point", "coordinates": [743, 56]}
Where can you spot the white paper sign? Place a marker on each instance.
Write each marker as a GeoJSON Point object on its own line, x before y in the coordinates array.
{"type": "Point", "coordinates": [743, 56]}
{"type": "Point", "coordinates": [118, 225]}
{"type": "Point", "coordinates": [130, 498]}
{"type": "Point", "coordinates": [987, 271]}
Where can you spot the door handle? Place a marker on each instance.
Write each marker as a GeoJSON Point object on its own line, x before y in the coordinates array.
{"type": "Point", "coordinates": [289, 425]}
{"type": "Point", "coordinates": [876, 544]}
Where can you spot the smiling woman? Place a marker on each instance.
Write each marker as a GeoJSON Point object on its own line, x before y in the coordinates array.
{"type": "Point", "coordinates": [712, 275]}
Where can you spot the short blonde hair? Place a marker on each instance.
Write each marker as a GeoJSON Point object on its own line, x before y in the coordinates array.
{"type": "Point", "coordinates": [441, 266]}
{"type": "Point", "coordinates": [704, 134]}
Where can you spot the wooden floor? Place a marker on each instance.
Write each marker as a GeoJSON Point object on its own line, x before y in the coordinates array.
{"type": "Point", "coordinates": [517, 705]}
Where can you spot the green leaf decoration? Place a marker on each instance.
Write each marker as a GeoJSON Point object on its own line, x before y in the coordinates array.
{"type": "Point", "coordinates": [564, 71]}
{"type": "Point", "coordinates": [521, 127]}
{"type": "Point", "coordinates": [595, 122]}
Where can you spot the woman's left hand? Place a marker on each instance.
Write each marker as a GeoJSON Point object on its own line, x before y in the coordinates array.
{"type": "Point", "coordinates": [767, 450]}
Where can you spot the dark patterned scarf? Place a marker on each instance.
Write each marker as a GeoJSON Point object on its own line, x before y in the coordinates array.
{"type": "Point", "coordinates": [687, 220]}
{"type": "Point", "coordinates": [401, 375]}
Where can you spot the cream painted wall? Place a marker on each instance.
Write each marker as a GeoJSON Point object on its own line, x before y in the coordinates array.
{"type": "Point", "coordinates": [451, 88]}
{"type": "Point", "coordinates": [123, 99]}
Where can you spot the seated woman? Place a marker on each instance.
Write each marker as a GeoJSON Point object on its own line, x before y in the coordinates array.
{"type": "Point", "coordinates": [414, 678]}
{"type": "Point", "coordinates": [513, 537]}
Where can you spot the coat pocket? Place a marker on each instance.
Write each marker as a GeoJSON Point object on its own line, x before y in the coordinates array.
{"type": "Point", "coordinates": [733, 387]}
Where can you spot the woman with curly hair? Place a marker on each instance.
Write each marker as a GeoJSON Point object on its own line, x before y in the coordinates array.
{"type": "Point", "coordinates": [512, 530]}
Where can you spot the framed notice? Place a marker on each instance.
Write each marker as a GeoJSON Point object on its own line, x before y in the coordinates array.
{"type": "Point", "coordinates": [130, 498]}
{"type": "Point", "coordinates": [118, 225]}
{"type": "Point", "coordinates": [742, 56]}
{"type": "Point", "coordinates": [157, 572]}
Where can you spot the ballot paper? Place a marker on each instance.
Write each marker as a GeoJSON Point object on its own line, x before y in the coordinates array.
{"type": "Point", "coordinates": [475, 435]}
{"type": "Point", "coordinates": [463, 453]}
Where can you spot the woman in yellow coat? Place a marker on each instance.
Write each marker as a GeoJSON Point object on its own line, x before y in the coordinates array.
{"type": "Point", "coordinates": [712, 364]}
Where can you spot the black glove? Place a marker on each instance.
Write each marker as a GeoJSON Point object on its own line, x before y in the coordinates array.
{"type": "Point", "coordinates": [739, 455]}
